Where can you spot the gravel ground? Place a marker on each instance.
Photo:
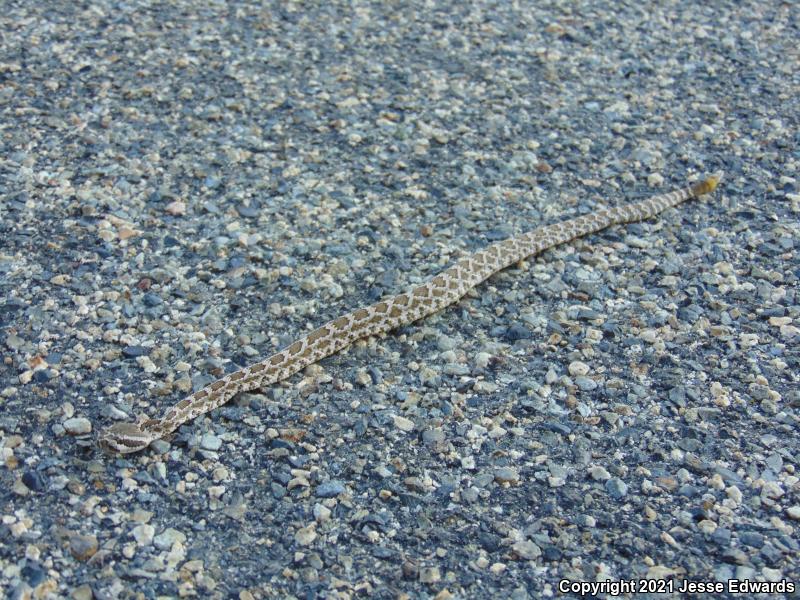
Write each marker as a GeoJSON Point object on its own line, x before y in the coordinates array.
{"type": "Point", "coordinates": [185, 187]}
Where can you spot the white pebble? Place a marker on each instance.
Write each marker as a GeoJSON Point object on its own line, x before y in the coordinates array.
{"type": "Point", "coordinates": [403, 424]}
{"type": "Point", "coordinates": [734, 494]}
{"type": "Point", "coordinates": [484, 387]}
{"type": "Point", "coordinates": [482, 359]}
{"type": "Point", "coordinates": [77, 426]}
{"type": "Point", "coordinates": [321, 513]}
{"type": "Point", "coordinates": [305, 536]}
{"type": "Point", "coordinates": [143, 534]}
{"type": "Point", "coordinates": [771, 489]}
{"type": "Point", "coordinates": [176, 208]}
{"type": "Point", "coordinates": [577, 368]}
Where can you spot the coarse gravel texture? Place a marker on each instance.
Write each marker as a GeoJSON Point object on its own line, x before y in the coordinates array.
{"type": "Point", "coordinates": [187, 186]}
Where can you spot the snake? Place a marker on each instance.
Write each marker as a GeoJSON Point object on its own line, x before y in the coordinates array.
{"type": "Point", "coordinates": [390, 313]}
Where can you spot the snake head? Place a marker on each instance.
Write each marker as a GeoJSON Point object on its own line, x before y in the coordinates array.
{"type": "Point", "coordinates": [124, 438]}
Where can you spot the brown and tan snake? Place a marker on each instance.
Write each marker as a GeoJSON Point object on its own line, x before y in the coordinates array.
{"type": "Point", "coordinates": [440, 291]}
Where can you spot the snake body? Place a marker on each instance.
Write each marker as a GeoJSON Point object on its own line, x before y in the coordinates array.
{"type": "Point", "coordinates": [442, 290]}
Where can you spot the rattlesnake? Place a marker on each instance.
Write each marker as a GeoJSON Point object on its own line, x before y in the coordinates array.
{"type": "Point", "coordinates": [438, 292]}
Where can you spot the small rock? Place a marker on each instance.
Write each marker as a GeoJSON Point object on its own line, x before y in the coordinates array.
{"type": "Point", "coordinates": [586, 384]}
{"type": "Point", "coordinates": [659, 572]}
{"type": "Point", "coordinates": [33, 574]}
{"type": "Point", "coordinates": [599, 473]}
{"type": "Point", "coordinates": [82, 592]}
{"type": "Point", "coordinates": [34, 481]}
{"type": "Point", "coordinates": [752, 539]}
{"type": "Point", "coordinates": [588, 521]}
{"type": "Point", "coordinates": [165, 540]}
{"type": "Point", "coordinates": [415, 484]}
{"type": "Point", "coordinates": [506, 475]}
{"type": "Point", "coordinates": [362, 377]}
{"type": "Point", "coordinates": [771, 489]}
{"type": "Point", "coordinates": [77, 426]}
{"type": "Point", "coordinates": [734, 556]}
{"type": "Point", "coordinates": [773, 575]}
{"type": "Point", "coordinates": [482, 359]}
{"type": "Point", "coordinates": [209, 441]}
{"type": "Point", "coordinates": [793, 512]}
{"type": "Point", "coordinates": [403, 424]}
{"type": "Point", "coordinates": [216, 491]}
{"type": "Point", "coordinates": [152, 300]}
{"type": "Point", "coordinates": [143, 534]}
{"type": "Point", "coordinates": [176, 208]}
{"type": "Point", "coordinates": [484, 387]}
{"type": "Point", "coordinates": [497, 432]}
{"type": "Point", "coordinates": [578, 368]}
{"type": "Point", "coordinates": [517, 332]}
{"type": "Point", "coordinates": [306, 535]}
{"type": "Point", "coordinates": [83, 547]}
{"type": "Point", "coordinates": [734, 493]}
{"type": "Point", "coordinates": [707, 526]}
{"type": "Point", "coordinates": [445, 343]}
{"type": "Point", "coordinates": [429, 575]}
{"type": "Point", "coordinates": [329, 489]}
{"type": "Point", "coordinates": [616, 488]}
{"type": "Point", "coordinates": [526, 550]}
{"type": "Point", "coordinates": [321, 513]}
{"type": "Point", "coordinates": [433, 436]}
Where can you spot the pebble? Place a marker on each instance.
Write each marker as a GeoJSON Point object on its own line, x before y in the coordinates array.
{"type": "Point", "coordinates": [599, 473]}
{"type": "Point", "coordinates": [588, 521]}
{"type": "Point", "coordinates": [445, 343]}
{"type": "Point", "coordinates": [83, 547]}
{"type": "Point", "coordinates": [773, 575]}
{"type": "Point", "coordinates": [403, 424]}
{"type": "Point", "coordinates": [772, 490]}
{"type": "Point", "coordinates": [706, 526]}
{"type": "Point", "coordinates": [176, 208]}
{"type": "Point", "coordinates": [526, 550]}
{"type": "Point", "coordinates": [577, 368]}
{"type": "Point", "coordinates": [77, 426]}
{"type": "Point", "coordinates": [482, 359]}
{"type": "Point", "coordinates": [322, 513]}
{"type": "Point", "coordinates": [616, 488]}
{"type": "Point", "coordinates": [82, 592]}
{"type": "Point", "coordinates": [166, 539]}
{"type": "Point", "coordinates": [430, 575]}
{"type": "Point", "coordinates": [209, 441]}
{"type": "Point", "coordinates": [433, 436]}
{"type": "Point", "coordinates": [329, 489]}
{"type": "Point", "coordinates": [34, 481]}
{"type": "Point", "coordinates": [305, 536]}
{"type": "Point", "coordinates": [484, 387]}
{"type": "Point", "coordinates": [517, 332]}
{"type": "Point", "coordinates": [506, 475]}
{"type": "Point", "coordinates": [143, 534]}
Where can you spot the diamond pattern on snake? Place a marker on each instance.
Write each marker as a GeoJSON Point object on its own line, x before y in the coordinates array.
{"type": "Point", "coordinates": [438, 292]}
